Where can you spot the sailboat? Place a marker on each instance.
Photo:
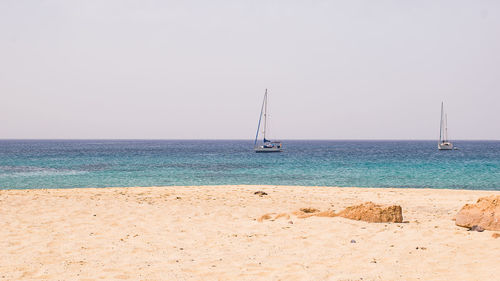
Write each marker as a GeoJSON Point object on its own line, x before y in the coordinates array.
{"type": "Point", "coordinates": [267, 145]}
{"type": "Point", "coordinates": [444, 143]}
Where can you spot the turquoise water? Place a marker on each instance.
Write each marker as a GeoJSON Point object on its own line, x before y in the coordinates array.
{"type": "Point", "coordinates": [97, 163]}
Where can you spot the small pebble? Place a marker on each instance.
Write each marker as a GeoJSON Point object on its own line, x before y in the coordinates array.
{"type": "Point", "coordinates": [353, 241]}
{"type": "Point", "coordinates": [476, 228]}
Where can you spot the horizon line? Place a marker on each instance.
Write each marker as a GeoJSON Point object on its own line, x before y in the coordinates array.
{"type": "Point", "coordinates": [224, 139]}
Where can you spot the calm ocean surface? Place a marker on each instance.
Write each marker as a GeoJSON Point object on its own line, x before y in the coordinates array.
{"type": "Point", "coordinates": [98, 163]}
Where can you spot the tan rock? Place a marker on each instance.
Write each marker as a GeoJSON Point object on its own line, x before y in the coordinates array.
{"type": "Point", "coordinates": [371, 212]}
{"type": "Point", "coordinates": [282, 215]}
{"type": "Point", "coordinates": [265, 217]}
{"type": "Point", "coordinates": [495, 235]}
{"type": "Point", "coordinates": [328, 213]}
{"type": "Point", "coordinates": [485, 213]}
{"type": "Point", "coordinates": [317, 213]}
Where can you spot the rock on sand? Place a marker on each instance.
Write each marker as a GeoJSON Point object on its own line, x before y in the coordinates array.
{"type": "Point", "coordinates": [485, 213]}
{"type": "Point", "coordinates": [371, 212]}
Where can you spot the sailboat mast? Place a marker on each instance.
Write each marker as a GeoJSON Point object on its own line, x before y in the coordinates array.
{"type": "Point", "coordinates": [265, 115]}
{"type": "Point", "coordinates": [446, 127]}
{"type": "Point", "coordinates": [441, 125]}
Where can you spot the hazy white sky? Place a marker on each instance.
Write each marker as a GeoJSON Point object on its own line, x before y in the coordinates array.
{"type": "Point", "coordinates": [198, 69]}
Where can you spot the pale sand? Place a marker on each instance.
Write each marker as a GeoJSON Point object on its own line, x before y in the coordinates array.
{"type": "Point", "coordinates": [211, 233]}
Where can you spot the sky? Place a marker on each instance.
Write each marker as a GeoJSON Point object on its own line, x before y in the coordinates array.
{"type": "Point", "coordinates": [198, 69]}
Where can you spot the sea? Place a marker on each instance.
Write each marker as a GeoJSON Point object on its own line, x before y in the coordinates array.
{"type": "Point", "coordinates": [34, 164]}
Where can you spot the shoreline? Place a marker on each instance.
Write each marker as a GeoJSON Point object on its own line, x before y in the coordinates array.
{"type": "Point", "coordinates": [212, 232]}
{"type": "Point", "coordinates": [247, 185]}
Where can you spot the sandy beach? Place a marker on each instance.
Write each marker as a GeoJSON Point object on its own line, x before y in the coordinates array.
{"type": "Point", "coordinates": [212, 233]}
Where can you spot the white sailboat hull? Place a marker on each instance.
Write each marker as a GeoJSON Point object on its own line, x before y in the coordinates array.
{"type": "Point", "coordinates": [445, 146]}
{"type": "Point", "coordinates": [261, 149]}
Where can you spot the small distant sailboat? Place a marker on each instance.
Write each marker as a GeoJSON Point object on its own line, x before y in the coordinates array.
{"type": "Point", "coordinates": [267, 145]}
{"type": "Point", "coordinates": [444, 143]}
